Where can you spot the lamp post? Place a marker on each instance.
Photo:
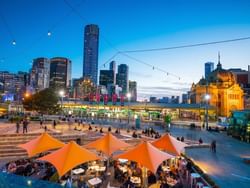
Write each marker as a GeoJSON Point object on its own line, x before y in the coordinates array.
{"type": "Point", "coordinates": [61, 93]}
{"type": "Point", "coordinates": [207, 97]}
{"type": "Point", "coordinates": [128, 96]}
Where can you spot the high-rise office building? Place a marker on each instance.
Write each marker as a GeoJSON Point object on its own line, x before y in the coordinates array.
{"type": "Point", "coordinates": [40, 74]}
{"type": "Point", "coordinates": [60, 73]}
{"type": "Point", "coordinates": [122, 77]}
{"type": "Point", "coordinates": [91, 46]}
{"type": "Point", "coordinates": [13, 84]}
{"type": "Point", "coordinates": [209, 67]}
{"type": "Point", "coordinates": [112, 66]}
{"type": "Point", "coordinates": [133, 90]}
{"type": "Point", "coordinates": [106, 77]}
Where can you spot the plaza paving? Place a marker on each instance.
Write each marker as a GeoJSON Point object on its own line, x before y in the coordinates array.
{"type": "Point", "coordinates": [226, 166]}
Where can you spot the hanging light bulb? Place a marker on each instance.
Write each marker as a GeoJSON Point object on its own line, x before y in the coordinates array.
{"type": "Point", "coordinates": [49, 33]}
{"type": "Point", "coordinates": [14, 42]}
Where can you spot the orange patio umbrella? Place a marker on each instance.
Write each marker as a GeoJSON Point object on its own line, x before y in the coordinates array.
{"type": "Point", "coordinates": [147, 155]}
{"type": "Point", "coordinates": [169, 144]}
{"type": "Point", "coordinates": [68, 157]}
{"type": "Point", "coordinates": [108, 144]}
{"type": "Point", "coordinates": [42, 143]}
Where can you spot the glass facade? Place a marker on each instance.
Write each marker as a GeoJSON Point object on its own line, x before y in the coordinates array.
{"type": "Point", "coordinates": [122, 77]}
{"type": "Point", "coordinates": [91, 46]}
{"type": "Point", "coordinates": [60, 72]}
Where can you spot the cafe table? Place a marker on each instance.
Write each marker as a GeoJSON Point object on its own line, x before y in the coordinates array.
{"type": "Point", "coordinates": [135, 180]}
{"type": "Point", "coordinates": [78, 171]}
{"type": "Point", "coordinates": [94, 181]}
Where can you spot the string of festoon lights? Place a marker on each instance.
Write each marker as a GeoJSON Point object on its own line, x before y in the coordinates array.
{"type": "Point", "coordinates": [118, 52]}
{"type": "Point", "coordinates": [43, 35]}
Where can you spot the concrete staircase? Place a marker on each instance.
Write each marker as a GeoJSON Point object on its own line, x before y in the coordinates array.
{"type": "Point", "coordinates": [9, 142]}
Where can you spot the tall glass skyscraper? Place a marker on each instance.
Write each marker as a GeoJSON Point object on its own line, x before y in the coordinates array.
{"type": "Point", "coordinates": [91, 46]}
{"type": "Point", "coordinates": [60, 73]}
{"type": "Point", "coordinates": [209, 67]}
{"type": "Point", "coordinates": [122, 77]}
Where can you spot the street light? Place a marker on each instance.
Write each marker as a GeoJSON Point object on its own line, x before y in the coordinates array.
{"type": "Point", "coordinates": [128, 96]}
{"type": "Point", "coordinates": [61, 93]}
{"type": "Point", "coordinates": [207, 97]}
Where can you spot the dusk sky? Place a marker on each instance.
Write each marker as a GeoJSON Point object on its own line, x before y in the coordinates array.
{"type": "Point", "coordinates": [129, 25]}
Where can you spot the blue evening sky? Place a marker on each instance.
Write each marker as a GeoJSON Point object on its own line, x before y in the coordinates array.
{"type": "Point", "coordinates": [129, 25]}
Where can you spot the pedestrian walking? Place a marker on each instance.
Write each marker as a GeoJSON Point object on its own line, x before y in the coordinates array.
{"type": "Point", "coordinates": [214, 146]}
{"type": "Point", "coordinates": [54, 124]}
{"type": "Point", "coordinates": [41, 123]}
{"type": "Point", "coordinates": [17, 126]}
{"type": "Point", "coordinates": [25, 126]}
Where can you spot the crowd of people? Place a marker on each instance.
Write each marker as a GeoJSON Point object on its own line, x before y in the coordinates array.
{"type": "Point", "coordinates": [150, 132]}
{"type": "Point", "coordinates": [168, 174]}
{"type": "Point", "coordinates": [28, 167]}
{"type": "Point", "coordinates": [24, 122]}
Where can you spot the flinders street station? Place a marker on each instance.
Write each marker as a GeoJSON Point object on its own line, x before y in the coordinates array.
{"type": "Point", "coordinates": [223, 91]}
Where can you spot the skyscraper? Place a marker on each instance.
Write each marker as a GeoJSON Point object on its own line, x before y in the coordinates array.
{"type": "Point", "coordinates": [209, 67]}
{"type": "Point", "coordinates": [112, 66]}
{"type": "Point", "coordinates": [133, 90]}
{"type": "Point", "coordinates": [122, 77]}
{"type": "Point", "coordinates": [60, 72]}
{"type": "Point", "coordinates": [106, 77]}
{"type": "Point", "coordinates": [91, 45]}
{"type": "Point", "coordinates": [39, 74]}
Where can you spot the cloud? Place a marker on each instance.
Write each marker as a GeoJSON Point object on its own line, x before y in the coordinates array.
{"type": "Point", "coordinates": [162, 89]}
{"type": "Point", "coordinates": [182, 83]}
{"type": "Point", "coordinates": [139, 74]}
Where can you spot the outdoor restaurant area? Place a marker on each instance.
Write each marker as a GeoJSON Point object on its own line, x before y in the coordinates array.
{"type": "Point", "coordinates": [107, 161]}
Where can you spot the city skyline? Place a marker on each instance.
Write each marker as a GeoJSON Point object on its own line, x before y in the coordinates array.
{"type": "Point", "coordinates": [122, 28]}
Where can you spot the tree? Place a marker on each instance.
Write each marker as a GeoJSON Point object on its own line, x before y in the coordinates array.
{"type": "Point", "coordinates": [45, 101]}
{"type": "Point", "coordinates": [167, 120]}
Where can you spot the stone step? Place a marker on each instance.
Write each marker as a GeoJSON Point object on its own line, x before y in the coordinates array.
{"type": "Point", "coordinates": [16, 154]}
{"type": "Point", "coordinates": [29, 135]}
{"type": "Point", "coordinates": [15, 143]}
{"type": "Point", "coordinates": [11, 150]}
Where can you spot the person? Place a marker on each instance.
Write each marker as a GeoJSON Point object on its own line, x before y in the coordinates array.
{"type": "Point", "coordinates": [17, 126]}
{"type": "Point", "coordinates": [134, 135]}
{"type": "Point", "coordinates": [81, 183]}
{"type": "Point", "coordinates": [101, 131]}
{"type": "Point", "coordinates": [90, 128]}
{"type": "Point", "coordinates": [25, 126]}
{"type": "Point", "coordinates": [41, 123]}
{"type": "Point", "coordinates": [12, 167]}
{"type": "Point", "coordinates": [68, 183]}
{"type": "Point", "coordinates": [151, 179]}
{"type": "Point", "coordinates": [109, 129]}
{"type": "Point", "coordinates": [214, 146]}
{"type": "Point", "coordinates": [54, 123]}
{"type": "Point", "coordinates": [200, 141]}
{"type": "Point", "coordinates": [182, 139]}
{"type": "Point", "coordinates": [128, 183]}
{"type": "Point", "coordinates": [116, 131]}
{"type": "Point", "coordinates": [164, 184]}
